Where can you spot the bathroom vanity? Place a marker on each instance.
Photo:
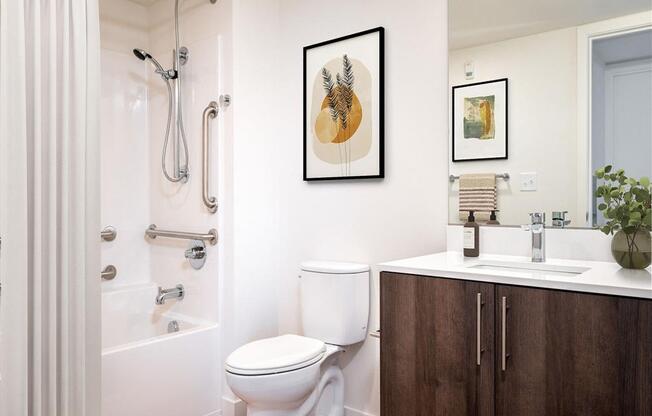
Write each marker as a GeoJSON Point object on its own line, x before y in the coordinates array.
{"type": "Point", "coordinates": [499, 335]}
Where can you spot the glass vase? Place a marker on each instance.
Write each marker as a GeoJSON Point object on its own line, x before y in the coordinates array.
{"type": "Point", "coordinates": [632, 251]}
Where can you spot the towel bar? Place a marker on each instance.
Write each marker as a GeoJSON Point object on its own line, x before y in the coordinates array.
{"type": "Point", "coordinates": [453, 178]}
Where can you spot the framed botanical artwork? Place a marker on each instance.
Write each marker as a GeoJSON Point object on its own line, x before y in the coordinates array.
{"type": "Point", "coordinates": [343, 107]}
{"type": "Point", "coordinates": [479, 121]}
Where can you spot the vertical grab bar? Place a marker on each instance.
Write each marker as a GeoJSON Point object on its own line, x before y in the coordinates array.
{"type": "Point", "coordinates": [210, 112]}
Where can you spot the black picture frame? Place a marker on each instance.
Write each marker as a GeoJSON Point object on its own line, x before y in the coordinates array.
{"type": "Point", "coordinates": [458, 87]}
{"type": "Point", "coordinates": [381, 101]}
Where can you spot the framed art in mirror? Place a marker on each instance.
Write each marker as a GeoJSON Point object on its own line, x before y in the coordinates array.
{"type": "Point", "coordinates": [479, 121]}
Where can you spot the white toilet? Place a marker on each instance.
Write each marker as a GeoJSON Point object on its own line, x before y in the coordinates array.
{"type": "Point", "coordinates": [286, 375]}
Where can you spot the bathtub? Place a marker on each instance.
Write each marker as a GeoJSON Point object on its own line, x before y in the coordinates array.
{"type": "Point", "coordinates": [147, 370]}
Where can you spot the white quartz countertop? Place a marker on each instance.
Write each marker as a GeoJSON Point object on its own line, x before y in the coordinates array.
{"type": "Point", "coordinates": [599, 277]}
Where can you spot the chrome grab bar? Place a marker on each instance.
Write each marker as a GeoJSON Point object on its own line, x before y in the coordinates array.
{"type": "Point", "coordinates": [153, 232]}
{"type": "Point", "coordinates": [108, 233]}
{"type": "Point", "coordinates": [109, 272]}
{"type": "Point", "coordinates": [210, 112]}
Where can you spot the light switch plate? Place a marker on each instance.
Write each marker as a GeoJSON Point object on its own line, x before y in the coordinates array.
{"type": "Point", "coordinates": [528, 181]}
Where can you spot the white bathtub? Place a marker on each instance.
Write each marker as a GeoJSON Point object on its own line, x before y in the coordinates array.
{"type": "Point", "coordinates": [148, 371]}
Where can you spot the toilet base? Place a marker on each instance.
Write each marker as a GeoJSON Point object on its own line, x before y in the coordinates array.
{"type": "Point", "coordinates": [333, 377]}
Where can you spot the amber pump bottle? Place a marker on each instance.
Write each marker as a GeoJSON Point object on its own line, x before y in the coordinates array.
{"type": "Point", "coordinates": [471, 237]}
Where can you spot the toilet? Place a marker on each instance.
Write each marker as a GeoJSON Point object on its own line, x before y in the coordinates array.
{"type": "Point", "coordinates": [286, 375]}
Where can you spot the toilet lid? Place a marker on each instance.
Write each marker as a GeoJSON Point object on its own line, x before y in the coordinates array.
{"type": "Point", "coordinates": [275, 355]}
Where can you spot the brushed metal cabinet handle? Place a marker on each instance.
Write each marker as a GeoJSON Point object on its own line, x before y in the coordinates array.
{"type": "Point", "coordinates": [503, 335]}
{"type": "Point", "coordinates": [478, 346]}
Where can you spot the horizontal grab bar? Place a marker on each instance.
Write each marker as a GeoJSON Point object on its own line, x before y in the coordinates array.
{"type": "Point", "coordinates": [153, 232]}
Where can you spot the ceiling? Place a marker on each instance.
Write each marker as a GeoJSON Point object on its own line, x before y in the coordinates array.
{"type": "Point", "coordinates": [477, 22]}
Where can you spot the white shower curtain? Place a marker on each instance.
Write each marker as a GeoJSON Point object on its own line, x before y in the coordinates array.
{"type": "Point", "coordinates": [49, 208]}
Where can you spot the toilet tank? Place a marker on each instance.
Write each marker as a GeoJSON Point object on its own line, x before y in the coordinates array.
{"type": "Point", "coordinates": [335, 301]}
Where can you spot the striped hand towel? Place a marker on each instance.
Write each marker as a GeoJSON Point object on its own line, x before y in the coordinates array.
{"type": "Point", "coordinates": [477, 193]}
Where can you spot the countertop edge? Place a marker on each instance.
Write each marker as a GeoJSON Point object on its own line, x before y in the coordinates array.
{"type": "Point", "coordinates": [582, 287]}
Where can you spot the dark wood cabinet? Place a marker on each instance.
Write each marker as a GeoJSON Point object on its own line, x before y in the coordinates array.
{"type": "Point", "coordinates": [565, 353]}
{"type": "Point", "coordinates": [429, 347]}
{"type": "Point", "coordinates": [573, 354]}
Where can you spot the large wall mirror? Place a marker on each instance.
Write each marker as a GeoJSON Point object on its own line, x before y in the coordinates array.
{"type": "Point", "coordinates": [541, 95]}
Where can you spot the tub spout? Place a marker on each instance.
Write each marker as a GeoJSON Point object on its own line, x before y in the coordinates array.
{"type": "Point", "coordinates": [177, 292]}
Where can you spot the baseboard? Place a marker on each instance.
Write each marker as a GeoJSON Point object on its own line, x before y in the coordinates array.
{"type": "Point", "coordinates": [236, 407]}
{"type": "Point", "coordinates": [354, 412]}
{"type": "Point", "coordinates": [233, 407]}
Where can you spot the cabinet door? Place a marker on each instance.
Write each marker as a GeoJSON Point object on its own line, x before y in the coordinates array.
{"type": "Point", "coordinates": [572, 354]}
{"type": "Point", "coordinates": [428, 354]}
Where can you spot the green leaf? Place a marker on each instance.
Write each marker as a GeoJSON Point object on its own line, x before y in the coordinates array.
{"type": "Point", "coordinates": [645, 182]}
{"type": "Point", "coordinates": [602, 207]}
{"type": "Point", "coordinates": [607, 169]}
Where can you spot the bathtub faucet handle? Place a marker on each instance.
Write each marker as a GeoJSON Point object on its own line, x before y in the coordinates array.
{"type": "Point", "coordinates": [196, 253]}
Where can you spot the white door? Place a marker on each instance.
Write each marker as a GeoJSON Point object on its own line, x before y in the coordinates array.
{"type": "Point", "coordinates": [628, 117]}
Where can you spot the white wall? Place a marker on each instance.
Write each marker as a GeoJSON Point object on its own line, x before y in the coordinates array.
{"type": "Point", "coordinates": [542, 72]}
{"type": "Point", "coordinates": [250, 233]}
{"type": "Point", "coordinates": [374, 220]}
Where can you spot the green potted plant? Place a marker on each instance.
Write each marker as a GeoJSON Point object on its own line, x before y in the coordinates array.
{"type": "Point", "coordinates": [626, 208]}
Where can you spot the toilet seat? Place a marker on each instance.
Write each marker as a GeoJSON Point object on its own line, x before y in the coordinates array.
{"type": "Point", "coordinates": [275, 355]}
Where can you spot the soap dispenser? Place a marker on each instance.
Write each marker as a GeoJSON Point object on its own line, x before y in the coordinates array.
{"type": "Point", "coordinates": [471, 237]}
{"type": "Point", "coordinates": [492, 218]}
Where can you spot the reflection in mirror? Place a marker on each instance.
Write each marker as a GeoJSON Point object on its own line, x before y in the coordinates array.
{"type": "Point", "coordinates": [579, 98]}
{"type": "Point", "coordinates": [621, 106]}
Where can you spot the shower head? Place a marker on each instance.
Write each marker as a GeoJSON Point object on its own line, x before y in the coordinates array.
{"type": "Point", "coordinates": [144, 56]}
{"type": "Point", "coordinates": [141, 54]}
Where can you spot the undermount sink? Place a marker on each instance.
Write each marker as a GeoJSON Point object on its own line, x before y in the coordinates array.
{"type": "Point", "coordinates": [542, 268]}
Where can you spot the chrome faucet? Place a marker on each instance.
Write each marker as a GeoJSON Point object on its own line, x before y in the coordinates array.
{"type": "Point", "coordinates": [559, 219]}
{"type": "Point", "coordinates": [177, 292]}
{"type": "Point", "coordinates": [537, 227]}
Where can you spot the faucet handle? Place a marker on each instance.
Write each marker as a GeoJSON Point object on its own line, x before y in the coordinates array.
{"type": "Point", "coordinates": [537, 218]}
{"type": "Point", "coordinates": [195, 253]}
